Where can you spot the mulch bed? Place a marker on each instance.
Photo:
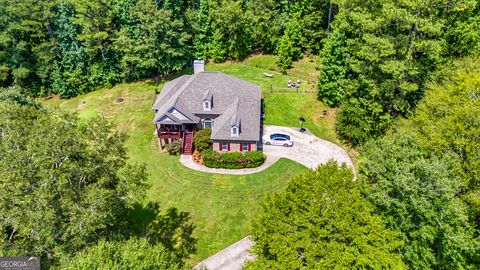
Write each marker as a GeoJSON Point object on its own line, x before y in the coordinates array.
{"type": "Point", "coordinates": [197, 157]}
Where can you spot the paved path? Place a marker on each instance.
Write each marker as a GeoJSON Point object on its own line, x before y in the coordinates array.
{"type": "Point", "coordinates": [307, 150]}
{"type": "Point", "coordinates": [231, 258]}
{"type": "Point", "coordinates": [187, 161]}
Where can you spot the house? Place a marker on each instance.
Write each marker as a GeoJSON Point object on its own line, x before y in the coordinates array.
{"type": "Point", "coordinates": [229, 106]}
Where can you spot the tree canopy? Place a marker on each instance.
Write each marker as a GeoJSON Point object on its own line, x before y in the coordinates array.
{"type": "Point", "coordinates": [416, 193]}
{"type": "Point", "coordinates": [381, 55]}
{"type": "Point", "coordinates": [321, 221]}
{"type": "Point", "coordinates": [67, 183]}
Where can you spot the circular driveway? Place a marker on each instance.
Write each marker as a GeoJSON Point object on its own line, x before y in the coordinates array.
{"type": "Point", "coordinates": [307, 149]}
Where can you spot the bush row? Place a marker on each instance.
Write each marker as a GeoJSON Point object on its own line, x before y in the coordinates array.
{"type": "Point", "coordinates": [232, 160]}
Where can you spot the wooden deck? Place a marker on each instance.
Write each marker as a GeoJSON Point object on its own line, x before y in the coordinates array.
{"type": "Point", "coordinates": [169, 134]}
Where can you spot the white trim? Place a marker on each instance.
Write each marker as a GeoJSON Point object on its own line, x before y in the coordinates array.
{"type": "Point", "coordinates": [234, 131]}
{"type": "Point", "coordinates": [226, 146]}
{"type": "Point", "coordinates": [207, 105]}
{"type": "Point", "coordinates": [207, 120]}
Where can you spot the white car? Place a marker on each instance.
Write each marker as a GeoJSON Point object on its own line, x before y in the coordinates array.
{"type": "Point", "coordinates": [277, 139]}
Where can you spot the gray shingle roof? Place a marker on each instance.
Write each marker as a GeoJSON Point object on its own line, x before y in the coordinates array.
{"type": "Point", "coordinates": [237, 102]}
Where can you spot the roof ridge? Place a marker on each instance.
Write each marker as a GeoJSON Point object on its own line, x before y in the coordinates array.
{"type": "Point", "coordinates": [228, 114]}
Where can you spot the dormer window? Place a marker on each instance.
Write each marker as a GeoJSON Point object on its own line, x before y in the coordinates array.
{"type": "Point", "coordinates": [206, 105]}
{"type": "Point", "coordinates": [234, 131]}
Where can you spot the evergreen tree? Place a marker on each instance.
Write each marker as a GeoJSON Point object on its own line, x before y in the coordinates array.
{"type": "Point", "coordinates": [203, 30]}
{"type": "Point", "coordinates": [333, 71]}
{"type": "Point", "coordinates": [392, 49]}
{"type": "Point", "coordinates": [289, 47]}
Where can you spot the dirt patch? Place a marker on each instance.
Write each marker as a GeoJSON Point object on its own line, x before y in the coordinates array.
{"type": "Point", "coordinates": [119, 100]}
{"type": "Point", "coordinates": [82, 105]}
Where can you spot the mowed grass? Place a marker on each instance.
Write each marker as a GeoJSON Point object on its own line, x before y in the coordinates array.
{"type": "Point", "coordinates": [221, 206]}
{"type": "Point", "coordinates": [284, 108]}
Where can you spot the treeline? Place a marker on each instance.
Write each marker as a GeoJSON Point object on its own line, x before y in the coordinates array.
{"type": "Point", "coordinates": [70, 196]}
{"type": "Point", "coordinates": [381, 54]}
{"type": "Point", "coordinates": [414, 205]}
{"type": "Point", "coordinates": [71, 46]}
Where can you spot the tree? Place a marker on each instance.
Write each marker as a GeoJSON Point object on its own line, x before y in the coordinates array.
{"type": "Point", "coordinates": [448, 121]}
{"type": "Point", "coordinates": [14, 95]}
{"type": "Point", "coordinates": [333, 71]}
{"type": "Point", "coordinates": [149, 46]}
{"type": "Point", "coordinates": [416, 193]}
{"type": "Point", "coordinates": [392, 50]}
{"type": "Point", "coordinates": [70, 178]}
{"type": "Point", "coordinates": [463, 33]}
{"type": "Point", "coordinates": [231, 27]}
{"type": "Point", "coordinates": [266, 19]}
{"type": "Point", "coordinates": [132, 254]}
{"type": "Point", "coordinates": [203, 30]}
{"type": "Point", "coordinates": [95, 20]}
{"type": "Point", "coordinates": [27, 46]}
{"type": "Point", "coordinates": [289, 47]}
{"type": "Point", "coordinates": [70, 73]}
{"type": "Point", "coordinates": [321, 221]}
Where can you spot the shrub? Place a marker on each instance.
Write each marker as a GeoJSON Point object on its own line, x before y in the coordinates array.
{"type": "Point", "coordinates": [201, 139]}
{"type": "Point", "coordinates": [232, 160]}
{"type": "Point", "coordinates": [174, 148]}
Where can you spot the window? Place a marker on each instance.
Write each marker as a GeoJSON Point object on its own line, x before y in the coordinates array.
{"type": "Point", "coordinates": [245, 147]}
{"type": "Point", "coordinates": [234, 131]}
{"type": "Point", "coordinates": [207, 123]}
{"type": "Point", "coordinates": [206, 105]}
{"type": "Point", "coordinates": [224, 146]}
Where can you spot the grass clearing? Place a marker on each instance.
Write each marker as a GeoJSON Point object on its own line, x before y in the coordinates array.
{"type": "Point", "coordinates": [284, 109]}
{"type": "Point", "coordinates": [220, 205]}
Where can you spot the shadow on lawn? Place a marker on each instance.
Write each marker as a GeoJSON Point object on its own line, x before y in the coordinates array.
{"type": "Point", "coordinates": [173, 229]}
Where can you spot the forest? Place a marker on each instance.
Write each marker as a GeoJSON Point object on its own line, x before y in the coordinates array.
{"type": "Point", "coordinates": [404, 77]}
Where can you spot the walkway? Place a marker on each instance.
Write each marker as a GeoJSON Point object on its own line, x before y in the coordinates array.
{"type": "Point", "coordinates": [189, 163]}
{"type": "Point", "coordinates": [230, 258]}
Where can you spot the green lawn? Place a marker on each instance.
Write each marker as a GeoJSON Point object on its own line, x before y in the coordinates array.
{"type": "Point", "coordinates": [284, 109]}
{"type": "Point", "coordinates": [220, 205]}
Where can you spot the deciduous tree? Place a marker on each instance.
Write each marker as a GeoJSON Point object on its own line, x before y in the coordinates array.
{"type": "Point", "coordinates": [321, 221]}
{"type": "Point", "coordinates": [416, 193]}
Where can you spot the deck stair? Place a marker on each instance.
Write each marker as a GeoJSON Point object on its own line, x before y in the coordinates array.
{"type": "Point", "coordinates": [187, 148]}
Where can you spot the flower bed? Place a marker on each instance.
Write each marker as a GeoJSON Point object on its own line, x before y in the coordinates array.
{"type": "Point", "coordinates": [232, 160]}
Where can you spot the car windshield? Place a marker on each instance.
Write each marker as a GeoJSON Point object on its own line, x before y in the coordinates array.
{"type": "Point", "coordinates": [277, 136]}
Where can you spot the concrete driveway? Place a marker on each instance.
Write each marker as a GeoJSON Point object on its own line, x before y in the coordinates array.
{"type": "Point", "coordinates": [231, 258]}
{"type": "Point", "coordinates": [307, 149]}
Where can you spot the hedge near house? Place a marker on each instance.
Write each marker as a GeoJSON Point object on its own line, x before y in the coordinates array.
{"type": "Point", "coordinates": [232, 160]}
{"type": "Point", "coordinates": [201, 139]}
{"type": "Point", "coordinates": [174, 148]}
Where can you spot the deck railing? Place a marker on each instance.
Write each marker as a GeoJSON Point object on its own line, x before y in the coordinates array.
{"type": "Point", "coordinates": [169, 134]}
